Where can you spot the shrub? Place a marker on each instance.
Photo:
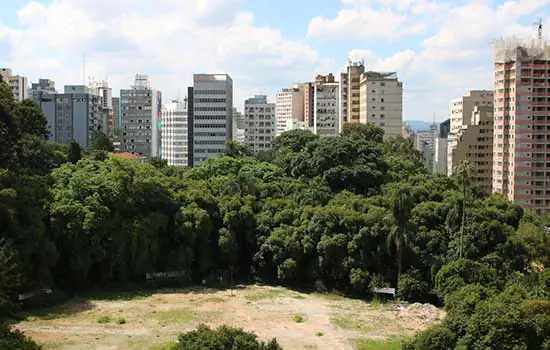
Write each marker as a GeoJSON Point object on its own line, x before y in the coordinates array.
{"type": "Point", "coordinates": [121, 320]}
{"type": "Point", "coordinates": [298, 318]}
{"type": "Point", "coordinates": [435, 338]}
{"type": "Point", "coordinates": [412, 289]}
{"type": "Point", "coordinates": [103, 319]}
{"type": "Point", "coordinates": [15, 340]}
{"type": "Point", "coordinates": [223, 338]}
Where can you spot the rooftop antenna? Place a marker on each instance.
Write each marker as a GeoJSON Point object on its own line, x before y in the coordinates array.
{"type": "Point", "coordinates": [539, 25]}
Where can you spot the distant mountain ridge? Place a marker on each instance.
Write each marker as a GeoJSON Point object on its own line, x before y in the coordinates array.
{"type": "Point", "coordinates": [418, 125]}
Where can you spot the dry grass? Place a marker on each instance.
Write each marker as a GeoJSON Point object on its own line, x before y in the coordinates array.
{"type": "Point", "coordinates": [298, 321]}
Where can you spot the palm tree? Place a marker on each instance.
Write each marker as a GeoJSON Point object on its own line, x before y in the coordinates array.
{"type": "Point", "coordinates": [463, 171]}
{"type": "Point", "coordinates": [399, 236]}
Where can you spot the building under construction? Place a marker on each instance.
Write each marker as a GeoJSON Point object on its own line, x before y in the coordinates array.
{"type": "Point", "coordinates": [521, 160]}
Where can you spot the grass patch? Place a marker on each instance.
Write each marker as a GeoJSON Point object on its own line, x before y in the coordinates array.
{"type": "Point", "coordinates": [176, 316]}
{"type": "Point", "coordinates": [165, 346]}
{"type": "Point", "coordinates": [330, 296]}
{"type": "Point", "coordinates": [265, 294]}
{"type": "Point", "coordinates": [371, 344]}
{"type": "Point", "coordinates": [319, 334]}
{"type": "Point", "coordinates": [103, 319]}
{"type": "Point", "coordinates": [214, 300]}
{"type": "Point", "coordinates": [121, 320]}
{"type": "Point", "coordinates": [298, 297]}
{"type": "Point", "coordinates": [298, 318]}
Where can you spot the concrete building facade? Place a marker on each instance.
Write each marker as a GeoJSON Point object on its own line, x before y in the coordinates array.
{"type": "Point", "coordinates": [381, 102]}
{"type": "Point", "coordinates": [350, 82]}
{"type": "Point", "coordinates": [105, 94]}
{"type": "Point", "coordinates": [259, 132]}
{"type": "Point", "coordinates": [140, 108]}
{"type": "Point", "coordinates": [73, 115]}
{"type": "Point", "coordinates": [476, 146]}
{"type": "Point", "coordinates": [461, 113]}
{"type": "Point", "coordinates": [239, 125]}
{"type": "Point", "coordinates": [43, 86]}
{"type": "Point", "coordinates": [327, 119]}
{"type": "Point", "coordinates": [521, 161]}
{"type": "Point", "coordinates": [212, 115]}
{"type": "Point", "coordinates": [425, 142]}
{"type": "Point", "coordinates": [19, 84]}
{"type": "Point", "coordinates": [175, 134]}
{"type": "Point", "coordinates": [289, 108]}
{"type": "Point", "coordinates": [440, 148]}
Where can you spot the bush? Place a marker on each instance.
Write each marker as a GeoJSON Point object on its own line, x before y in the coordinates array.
{"type": "Point", "coordinates": [435, 338]}
{"type": "Point", "coordinates": [412, 289]}
{"type": "Point", "coordinates": [121, 320]}
{"type": "Point", "coordinates": [15, 340]}
{"type": "Point", "coordinates": [461, 272]}
{"type": "Point", "coordinates": [103, 319]}
{"type": "Point", "coordinates": [298, 318]}
{"type": "Point", "coordinates": [223, 338]}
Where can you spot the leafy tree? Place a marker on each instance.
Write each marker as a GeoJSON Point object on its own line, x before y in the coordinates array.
{"type": "Point", "coordinates": [15, 340]}
{"type": "Point", "coordinates": [223, 338]}
{"type": "Point", "coordinates": [464, 172]}
{"type": "Point", "coordinates": [399, 237]}
{"type": "Point", "coordinates": [369, 132]}
{"type": "Point", "coordinates": [101, 142]}
{"type": "Point", "coordinates": [235, 149]}
{"type": "Point", "coordinates": [75, 152]}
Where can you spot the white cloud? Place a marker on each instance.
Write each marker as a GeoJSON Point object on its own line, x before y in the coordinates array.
{"type": "Point", "coordinates": [169, 40]}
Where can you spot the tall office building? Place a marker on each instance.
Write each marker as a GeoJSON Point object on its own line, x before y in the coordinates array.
{"type": "Point", "coordinates": [116, 123]}
{"type": "Point", "coordinates": [476, 146]}
{"type": "Point", "coordinates": [175, 133]}
{"type": "Point", "coordinates": [440, 148]}
{"type": "Point", "coordinates": [140, 107]}
{"type": "Point", "coordinates": [424, 141]}
{"type": "Point", "coordinates": [43, 86]}
{"type": "Point", "coordinates": [521, 161]}
{"type": "Point", "coordinates": [19, 84]}
{"type": "Point", "coordinates": [289, 109]}
{"type": "Point", "coordinates": [212, 115]}
{"type": "Point", "coordinates": [259, 132]}
{"type": "Point", "coordinates": [461, 113]}
{"type": "Point", "coordinates": [308, 91]}
{"type": "Point", "coordinates": [327, 119]}
{"type": "Point", "coordinates": [381, 102]}
{"type": "Point", "coordinates": [350, 82]}
{"type": "Point", "coordinates": [73, 115]}
{"type": "Point", "coordinates": [239, 126]}
{"type": "Point", "coordinates": [105, 94]}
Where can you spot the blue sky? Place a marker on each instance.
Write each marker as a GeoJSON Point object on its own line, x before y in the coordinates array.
{"type": "Point", "coordinates": [439, 48]}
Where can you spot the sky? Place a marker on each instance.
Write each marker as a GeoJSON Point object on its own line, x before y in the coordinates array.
{"type": "Point", "coordinates": [440, 49]}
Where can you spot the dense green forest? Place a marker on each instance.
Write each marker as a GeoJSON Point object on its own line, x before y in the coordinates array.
{"type": "Point", "coordinates": [344, 213]}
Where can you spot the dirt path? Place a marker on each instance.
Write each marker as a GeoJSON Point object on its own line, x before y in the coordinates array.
{"type": "Point", "coordinates": [298, 321]}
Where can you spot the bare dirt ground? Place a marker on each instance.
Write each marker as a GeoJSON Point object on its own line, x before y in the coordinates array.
{"type": "Point", "coordinates": [297, 320]}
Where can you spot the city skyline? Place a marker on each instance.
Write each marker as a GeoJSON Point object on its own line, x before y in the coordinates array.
{"type": "Point", "coordinates": [283, 43]}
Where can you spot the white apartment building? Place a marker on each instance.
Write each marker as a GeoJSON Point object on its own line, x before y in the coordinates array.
{"type": "Point", "coordinates": [381, 102]}
{"type": "Point", "coordinates": [212, 115]}
{"type": "Point", "coordinates": [238, 126]}
{"type": "Point", "coordinates": [327, 118]}
{"type": "Point", "coordinates": [461, 113]}
{"type": "Point", "coordinates": [19, 84]}
{"type": "Point", "coordinates": [175, 133]}
{"type": "Point", "coordinates": [289, 109]}
{"type": "Point", "coordinates": [105, 94]}
{"type": "Point", "coordinates": [440, 148]}
{"type": "Point", "coordinates": [140, 108]}
{"type": "Point", "coordinates": [259, 132]}
{"type": "Point", "coordinates": [425, 142]}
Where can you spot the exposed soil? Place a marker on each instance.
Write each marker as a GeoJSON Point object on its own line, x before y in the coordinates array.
{"type": "Point", "coordinates": [297, 320]}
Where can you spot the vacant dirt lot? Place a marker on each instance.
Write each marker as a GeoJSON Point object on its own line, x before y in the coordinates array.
{"type": "Point", "coordinates": [297, 320]}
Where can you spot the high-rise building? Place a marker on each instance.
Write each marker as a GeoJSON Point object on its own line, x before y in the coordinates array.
{"type": "Point", "coordinates": [521, 161]}
{"type": "Point", "coordinates": [461, 113]}
{"type": "Point", "coordinates": [440, 148]}
{"type": "Point", "coordinates": [259, 116]}
{"type": "Point", "coordinates": [350, 82]}
{"type": "Point", "coordinates": [381, 102]}
{"type": "Point", "coordinates": [212, 115]}
{"type": "Point", "coordinates": [116, 123]}
{"type": "Point", "coordinates": [44, 86]}
{"type": "Point", "coordinates": [19, 84]}
{"type": "Point", "coordinates": [476, 146]}
{"type": "Point", "coordinates": [424, 141]}
{"type": "Point", "coordinates": [140, 107]}
{"type": "Point", "coordinates": [105, 94]}
{"type": "Point", "coordinates": [289, 109]}
{"type": "Point", "coordinates": [73, 115]}
{"type": "Point", "coordinates": [239, 126]}
{"type": "Point", "coordinates": [327, 119]}
{"type": "Point", "coordinates": [175, 133]}
{"type": "Point", "coordinates": [308, 91]}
